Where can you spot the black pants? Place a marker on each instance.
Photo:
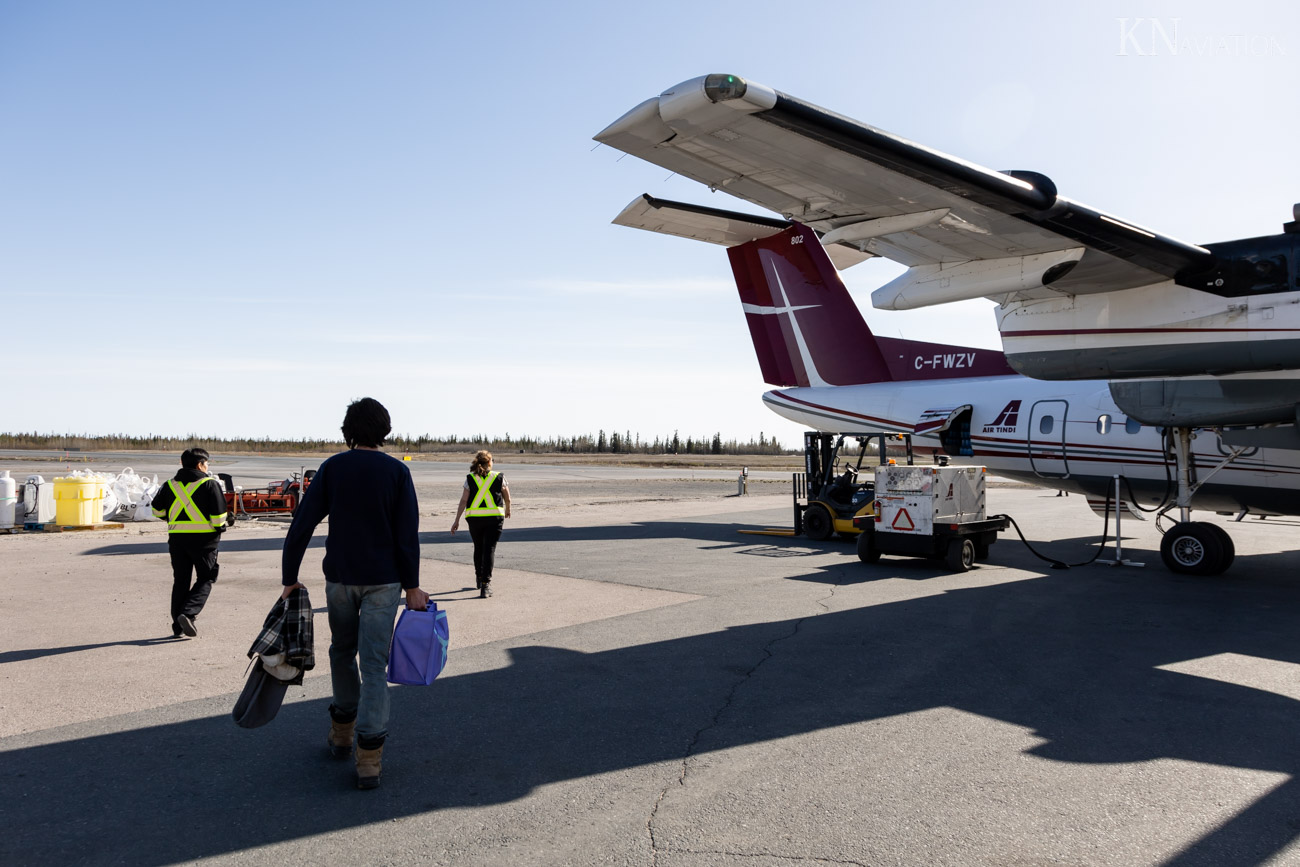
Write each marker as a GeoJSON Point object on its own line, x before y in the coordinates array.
{"type": "Point", "coordinates": [192, 554]}
{"type": "Point", "coordinates": [485, 532]}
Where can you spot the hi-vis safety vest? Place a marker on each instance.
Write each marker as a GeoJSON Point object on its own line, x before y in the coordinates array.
{"type": "Point", "coordinates": [185, 517]}
{"type": "Point", "coordinates": [484, 505]}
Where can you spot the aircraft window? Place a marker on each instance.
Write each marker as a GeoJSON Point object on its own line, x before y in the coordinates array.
{"type": "Point", "coordinates": [1256, 272]}
{"type": "Point", "coordinates": [1252, 266]}
{"type": "Point", "coordinates": [1132, 425]}
{"type": "Point", "coordinates": [1045, 425]}
{"type": "Point", "coordinates": [1103, 424]}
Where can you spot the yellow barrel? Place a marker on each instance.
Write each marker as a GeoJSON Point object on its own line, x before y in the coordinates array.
{"type": "Point", "coordinates": [78, 500]}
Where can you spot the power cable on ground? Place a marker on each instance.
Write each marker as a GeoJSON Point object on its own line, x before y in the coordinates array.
{"type": "Point", "coordinates": [1060, 564]}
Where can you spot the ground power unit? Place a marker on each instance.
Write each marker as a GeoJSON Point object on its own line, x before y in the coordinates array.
{"type": "Point", "coordinates": [936, 512]}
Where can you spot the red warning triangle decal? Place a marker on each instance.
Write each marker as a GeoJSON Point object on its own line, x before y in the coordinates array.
{"type": "Point", "coordinates": [903, 521]}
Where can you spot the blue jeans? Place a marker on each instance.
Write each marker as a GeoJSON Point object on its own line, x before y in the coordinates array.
{"type": "Point", "coordinates": [361, 629]}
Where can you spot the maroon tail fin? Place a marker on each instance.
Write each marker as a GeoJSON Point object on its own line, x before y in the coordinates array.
{"type": "Point", "coordinates": [805, 327]}
{"type": "Point", "coordinates": [808, 331]}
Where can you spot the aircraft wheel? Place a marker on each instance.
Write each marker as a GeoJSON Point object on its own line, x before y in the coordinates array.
{"type": "Point", "coordinates": [867, 550]}
{"type": "Point", "coordinates": [1194, 548]}
{"type": "Point", "coordinates": [818, 523]}
{"type": "Point", "coordinates": [961, 555]}
{"type": "Point", "coordinates": [1229, 549]}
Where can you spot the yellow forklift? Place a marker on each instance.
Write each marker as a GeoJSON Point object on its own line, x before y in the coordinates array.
{"type": "Point", "coordinates": [833, 489]}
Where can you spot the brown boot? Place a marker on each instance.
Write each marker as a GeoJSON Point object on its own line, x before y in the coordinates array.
{"type": "Point", "coordinates": [368, 767]}
{"type": "Point", "coordinates": [340, 738]}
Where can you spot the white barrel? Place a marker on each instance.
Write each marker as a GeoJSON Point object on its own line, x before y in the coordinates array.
{"type": "Point", "coordinates": [8, 499]}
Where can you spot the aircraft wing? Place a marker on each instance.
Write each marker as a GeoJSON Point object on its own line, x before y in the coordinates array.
{"type": "Point", "coordinates": [697, 222]}
{"type": "Point", "coordinates": [963, 230]}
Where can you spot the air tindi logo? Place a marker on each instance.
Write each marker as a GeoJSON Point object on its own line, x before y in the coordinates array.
{"type": "Point", "coordinates": [1007, 419]}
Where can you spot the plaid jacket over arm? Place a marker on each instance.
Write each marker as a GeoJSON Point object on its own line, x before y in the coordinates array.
{"type": "Point", "coordinates": [288, 630]}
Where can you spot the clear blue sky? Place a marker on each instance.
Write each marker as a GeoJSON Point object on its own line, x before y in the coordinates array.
{"type": "Point", "coordinates": [233, 218]}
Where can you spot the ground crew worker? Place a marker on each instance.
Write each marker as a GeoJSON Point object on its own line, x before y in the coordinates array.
{"type": "Point", "coordinates": [194, 507]}
{"type": "Point", "coordinates": [485, 502]}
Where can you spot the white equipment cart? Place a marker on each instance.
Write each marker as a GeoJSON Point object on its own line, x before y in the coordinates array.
{"type": "Point", "coordinates": [929, 512]}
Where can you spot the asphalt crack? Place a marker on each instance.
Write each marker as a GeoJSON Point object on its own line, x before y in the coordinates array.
{"type": "Point", "coordinates": [793, 859]}
{"type": "Point", "coordinates": [655, 847]}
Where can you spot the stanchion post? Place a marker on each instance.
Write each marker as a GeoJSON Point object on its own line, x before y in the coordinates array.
{"type": "Point", "coordinates": [1119, 537]}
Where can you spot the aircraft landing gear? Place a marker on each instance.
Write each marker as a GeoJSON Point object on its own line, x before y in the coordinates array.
{"type": "Point", "coordinates": [1197, 548]}
{"type": "Point", "coordinates": [1194, 547]}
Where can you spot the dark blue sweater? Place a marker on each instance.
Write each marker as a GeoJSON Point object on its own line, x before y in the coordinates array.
{"type": "Point", "coordinates": [374, 522]}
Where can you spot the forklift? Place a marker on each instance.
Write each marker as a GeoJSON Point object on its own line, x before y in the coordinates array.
{"type": "Point", "coordinates": [833, 489]}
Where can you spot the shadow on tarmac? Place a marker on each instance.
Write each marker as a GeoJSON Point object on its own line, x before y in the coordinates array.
{"type": "Point", "coordinates": [1071, 656]}
{"type": "Point", "coordinates": [722, 534]}
{"type": "Point", "coordinates": [38, 652]}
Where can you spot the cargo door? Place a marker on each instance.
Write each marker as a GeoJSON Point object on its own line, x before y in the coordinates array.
{"type": "Point", "coordinates": [1046, 439]}
{"type": "Point", "coordinates": [951, 424]}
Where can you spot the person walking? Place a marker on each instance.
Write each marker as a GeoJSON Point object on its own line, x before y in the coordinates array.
{"type": "Point", "coordinates": [485, 502]}
{"type": "Point", "coordinates": [372, 555]}
{"type": "Point", "coordinates": [194, 507]}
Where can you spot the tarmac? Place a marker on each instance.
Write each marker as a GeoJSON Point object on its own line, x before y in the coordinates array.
{"type": "Point", "coordinates": [648, 686]}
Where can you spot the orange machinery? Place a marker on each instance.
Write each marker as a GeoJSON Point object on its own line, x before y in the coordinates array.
{"type": "Point", "coordinates": [277, 498]}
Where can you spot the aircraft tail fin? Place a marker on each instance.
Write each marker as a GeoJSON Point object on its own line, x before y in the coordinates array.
{"type": "Point", "coordinates": [806, 328]}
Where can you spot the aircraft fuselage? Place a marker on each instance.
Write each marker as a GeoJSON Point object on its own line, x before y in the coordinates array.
{"type": "Point", "coordinates": [1066, 435]}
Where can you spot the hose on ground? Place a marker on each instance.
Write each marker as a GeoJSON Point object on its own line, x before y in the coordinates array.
{"type": "Point", "coordinates": [1060, 564]}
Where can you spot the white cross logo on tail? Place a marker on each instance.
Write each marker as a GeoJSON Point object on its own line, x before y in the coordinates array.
{"type": "Point", "coordinates": [770, 262]}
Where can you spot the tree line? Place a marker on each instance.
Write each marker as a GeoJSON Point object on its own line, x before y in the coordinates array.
{"type": "Point", "coordinates": [615, 442]}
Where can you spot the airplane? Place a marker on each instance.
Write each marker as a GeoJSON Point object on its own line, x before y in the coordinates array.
{"type": "Point", "coordinates": [1208, 336]}
{"type": "Point", "coordinates": [833, 374]}
{"type": "Point", "coordinates": [1069, 280]}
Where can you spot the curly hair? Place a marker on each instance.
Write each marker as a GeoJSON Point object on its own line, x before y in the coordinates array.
{"type": "Point", "coordinates": [366, 423]}
{"type": "Point", "coordinates": [482, 463]}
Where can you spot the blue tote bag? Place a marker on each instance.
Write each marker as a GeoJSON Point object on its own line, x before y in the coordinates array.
{"type": "Point", "coordinates": [419, 649]}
